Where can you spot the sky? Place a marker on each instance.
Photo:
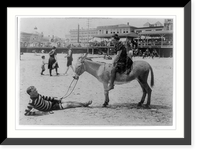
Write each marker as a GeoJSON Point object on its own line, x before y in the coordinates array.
{"type": "Point", "coordinates": [61, 26]}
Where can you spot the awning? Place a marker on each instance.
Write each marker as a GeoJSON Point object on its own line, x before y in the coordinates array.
{"type": "Point", "coordinates": [156, 32]}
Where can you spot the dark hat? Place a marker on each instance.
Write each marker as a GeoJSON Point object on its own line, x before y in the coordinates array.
{"type": "Point", "coordinates": [116, 37]}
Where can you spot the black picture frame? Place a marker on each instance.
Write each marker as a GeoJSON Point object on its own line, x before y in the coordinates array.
{"type": "Point", "coordinates": [126, 141]}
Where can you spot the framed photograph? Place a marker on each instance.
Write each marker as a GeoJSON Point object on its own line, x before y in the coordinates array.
{"type": "Point", "coordinates": [98, 76]}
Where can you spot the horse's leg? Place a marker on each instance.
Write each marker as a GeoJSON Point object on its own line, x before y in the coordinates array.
{"type": "Point", "coordinates": [144, 93]}
{"type": "Point", "coordinates": [106, 94]}
{"type": "Point", "coordinates": [148, 89]}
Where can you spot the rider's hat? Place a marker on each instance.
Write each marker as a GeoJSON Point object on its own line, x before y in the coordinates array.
{"type": "Point", "coordinates": [116, 37]}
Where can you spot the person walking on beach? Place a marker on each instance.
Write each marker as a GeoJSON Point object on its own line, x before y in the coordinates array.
{"type": "Point", "coordinates": [43, 65]}
{"type": "Point", "coordinates": [53, 64]}
{"type": "Point", "coordinates": [69, 60]}
{"type": "Point", "coordinates": [40, 105]}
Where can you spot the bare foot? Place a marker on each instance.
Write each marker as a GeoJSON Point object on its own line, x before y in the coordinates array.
{"type": "Point", "coordinates": [88, 103]}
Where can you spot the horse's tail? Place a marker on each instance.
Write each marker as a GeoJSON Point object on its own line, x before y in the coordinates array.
{"type": "Point", "coordinates": [152, 76]}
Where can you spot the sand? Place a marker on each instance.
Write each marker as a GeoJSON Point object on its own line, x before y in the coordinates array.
{"type": "Point", "coordinates": [122, 109]}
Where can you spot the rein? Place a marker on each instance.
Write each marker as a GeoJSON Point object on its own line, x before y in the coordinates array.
{"type": "Point", "coordinates": [66, 94]}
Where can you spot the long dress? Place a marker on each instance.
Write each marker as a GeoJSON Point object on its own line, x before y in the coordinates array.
{"type": "Point", "coordinates": [52, 60]}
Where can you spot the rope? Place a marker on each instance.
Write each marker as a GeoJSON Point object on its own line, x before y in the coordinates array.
{"type": "Point", "coordinates": [66, 94]}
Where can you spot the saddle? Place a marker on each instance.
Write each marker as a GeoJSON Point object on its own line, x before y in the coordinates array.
{"type": "Point", "coordinates": [129, 64]}
{"type": "Point", "coordinates": [124, 67]}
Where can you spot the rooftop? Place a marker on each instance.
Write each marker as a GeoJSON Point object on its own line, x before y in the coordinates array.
{"type": "Point", "coordinates": [82, 29]}
{"type": "Point", "coordinates": [115, 26]}
{"type": "Point", "coordinates": [149, 27]}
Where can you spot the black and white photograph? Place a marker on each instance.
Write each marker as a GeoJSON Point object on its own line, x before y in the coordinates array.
{"type": "Point", "coordinates": [96, 71]}
{"type": "Point", "coordinates": [98, 76]}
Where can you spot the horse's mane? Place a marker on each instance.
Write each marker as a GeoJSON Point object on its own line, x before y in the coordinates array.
{"type": "Point", "coordinates": [99, 62]}
{"type": "Point", "coordinates": [85, 58]}
{"type": "Point", "coordinates": [90, 59]}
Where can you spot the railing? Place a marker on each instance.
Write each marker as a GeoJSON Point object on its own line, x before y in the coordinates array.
{"type": "Point", "coordinates": [62, 49]}
{"type": "Point", "coordinates": [156, 45]}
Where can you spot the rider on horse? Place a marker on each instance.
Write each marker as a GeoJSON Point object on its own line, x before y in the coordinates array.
{"type": "Point", "coordinates": [121, 60]}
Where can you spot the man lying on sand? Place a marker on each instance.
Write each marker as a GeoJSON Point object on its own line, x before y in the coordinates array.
{"type": "Point", "coordinates": [45, 104]}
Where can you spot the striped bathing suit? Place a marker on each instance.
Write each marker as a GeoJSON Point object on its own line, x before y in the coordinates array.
{"type": "Point", "coordinates": [44, 103]}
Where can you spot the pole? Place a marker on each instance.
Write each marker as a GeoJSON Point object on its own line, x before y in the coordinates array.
{"type": "Point", "coordinates": [88, 30]}
{"type": "Point", "coordinates": [88, 35]}
{"type": "Point", "coordinates": [78, 34]}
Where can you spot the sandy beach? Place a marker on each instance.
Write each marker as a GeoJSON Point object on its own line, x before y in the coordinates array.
{"type": "Point", "coordinates": [121, 111]}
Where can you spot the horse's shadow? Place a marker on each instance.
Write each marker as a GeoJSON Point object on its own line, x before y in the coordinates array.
{"type": "Point", "coordinates": [131, 106]}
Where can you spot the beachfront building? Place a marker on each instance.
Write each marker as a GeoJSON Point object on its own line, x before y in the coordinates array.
{"type": "Point", "coordinates": [123, 30]}
{"type": "Point", "coordinates": [157, 24]}
{"type": "Point", "coordinates": [168, 24]}
{"type": "Point", "coordinates": [148, 29]}
{"type": "Point", "coordinates": [39, 40]}
{"type": "Point", "coordinates": [33, 40]}
{"type": "Point", "coordinates": [157, 37]}
{"type": "Point", "coordinates": [81, 36]}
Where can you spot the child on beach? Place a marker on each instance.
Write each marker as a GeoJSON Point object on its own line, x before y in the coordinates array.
{"type": "Point", "coordinates": [45, 104]}
{"type": "Point", "coordinates": [43, 65]}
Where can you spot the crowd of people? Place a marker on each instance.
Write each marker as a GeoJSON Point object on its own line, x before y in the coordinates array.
{"type": "Point", "coordinates": [53, 63]}
{"type": "Point", "coordinates": [147, 53]}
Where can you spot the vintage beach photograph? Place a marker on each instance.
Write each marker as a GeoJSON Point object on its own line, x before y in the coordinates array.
{"type": "Point", "coordinates": [95, 71]}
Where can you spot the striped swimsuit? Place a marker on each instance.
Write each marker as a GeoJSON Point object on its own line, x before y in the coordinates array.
{"type": "Point", "coordinates": [43, 103]}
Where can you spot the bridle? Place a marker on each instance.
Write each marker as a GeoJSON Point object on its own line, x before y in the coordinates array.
{"type": "Point", "coordinates": [66, 94]}
{"type": "Point", "coordinates": [75, 81]}
{"type": "Point", "coordinates": [82, 66]}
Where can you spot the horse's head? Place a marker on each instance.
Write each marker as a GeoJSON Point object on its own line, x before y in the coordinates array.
{"type": "Point", "coordinates": [80, 67]}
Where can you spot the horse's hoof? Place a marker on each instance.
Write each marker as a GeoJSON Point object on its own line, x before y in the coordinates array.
{"type": "Point", "coordinates": [147, 107]}
{"type": "Point", "coordinates": [104, 105]}
{"type": "Point", "coordinates": [139, 107]}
